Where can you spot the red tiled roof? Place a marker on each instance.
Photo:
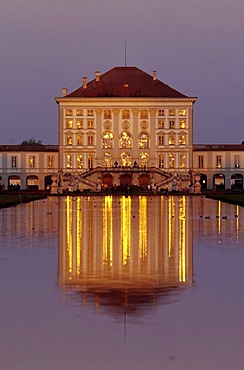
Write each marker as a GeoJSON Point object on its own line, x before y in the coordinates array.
{"type": "Point", "coordinates": [126, 82]}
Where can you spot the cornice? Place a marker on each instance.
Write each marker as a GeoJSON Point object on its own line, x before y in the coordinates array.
{"type": "Point", "coordinates": [124, 100]}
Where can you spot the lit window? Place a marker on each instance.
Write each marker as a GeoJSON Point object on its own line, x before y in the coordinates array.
{"type": "Point", "coordinates": [90, 112]}
{"type": "Point", "coordinates": [107, 114]}
{"type": "Point", "coordinates": [182, 123]}
{"type": "Point", "coordinates": [144, 157]}
{"type": "Point", "coordinates": [79, 123]}
{"type": "Point", "coordinates": [79, 139]}
{"type": "Point", "coordinates": [144, 140]}
{"type": "Point", "coordinates": [161, 139]}
{"type": "Point", "coordinates": [79, 112]}
{"type": "Point", "coordinates": [90, 124]}
{"type": "Point", "coordinates": [161, 112]}
{"type": "Point", "coordinates": [218, 161]}
{"type": "Point", "coordinates": [171, 160]}
{"type": "Point", "coordinates": [182, 112]}
{"type": "Point", "coordinates": [182, 160]}
{"type": "Point", "coordinates": [125, 140]}
{"type": "Point", "coordinates": [144, 114]}
{"type": "Point", "coordinates": [69, 140]}
{"type": "Point", "coordinates": [90, 160]}
{"type": "Point", "coordinates": [90, 140]}
{"type": "Point", "coordinates": [14, 161]}
{"type": "Point", "coordinates": [69, 123]}
{"type": "Point", "coordinates": [32, 161]}
{"type": "Point", "coordinates": [160, 123]}
{"type": "Point", "coordinates": [200, 161]}
{"type": "Point", "coordinates": [50, 161]}
{"type": "Point", "coordinates": [172, 139]}
{"type": "Point", "coordinates": [125, 159]}
{"type": "Point", "coordinates": [107, 159]}
{"type": "Point", "coordinates": [125, 114]}
{"type": "Point", "coordinates": [237, 161]}
{"type": "Point", "coordinates": [172, 112]}
{"type": "Point", "coordinates": [79, 161]}
{"type": "Point", "coordinates": [161, 160]}
{"type": "Point", "coordinates": [107, 139]}
{"type": "Point", "coordinates": [68, 112]}
{"type": "Point", "coordinates": [68, 161]}
{"type": "Point", "coordinates": [171, 124]}
{"type": "Point", "coordinates": [182, 139]}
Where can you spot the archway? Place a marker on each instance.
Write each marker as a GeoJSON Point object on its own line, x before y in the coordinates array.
{"type": "Point", "coordinates": [107, 181]}
{"type": "Point", "coordinates": [144, 180]}
{"type": "Point", "coordinates": [32, 182]}
{"type": "Point", "coordinates": [14, 182]}
{"type": "Point", "coordinates": [48, 181]}
{"type": "Point", "coordinates": [219, 181]}
{"type": "Point", "coordinates": [125, 179]}
{"type": "Point", "coordinates": [237, 181]}
{"type": "Point", "coordinates": [203, 181]}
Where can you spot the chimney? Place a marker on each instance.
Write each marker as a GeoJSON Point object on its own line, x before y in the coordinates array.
{"type": "Point", "coordinates": [84, 82]}
{"type": "Point", "coordinates": [97, 74]}
{"type": "Point", "coordinates": [154, 75]}
{"type": "Point", "coordinates": [64, 91]}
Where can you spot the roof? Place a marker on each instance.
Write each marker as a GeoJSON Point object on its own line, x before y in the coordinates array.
{"type": "Point", "coordinates": [218, 147]}
{"type": "Point", "coordinates": [29, 148]}
{"type": "Point", "coordinates": [126, 82]}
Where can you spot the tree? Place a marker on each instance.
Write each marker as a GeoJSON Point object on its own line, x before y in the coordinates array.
{"type": "Point", "coordinates": [31, 142]}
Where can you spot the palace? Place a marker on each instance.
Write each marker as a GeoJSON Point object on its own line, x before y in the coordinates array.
{"type": "Point", "coordinates": [124, 127]}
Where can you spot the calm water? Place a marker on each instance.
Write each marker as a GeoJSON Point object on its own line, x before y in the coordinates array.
{"type": "Point", "coordinates": [122, 283]}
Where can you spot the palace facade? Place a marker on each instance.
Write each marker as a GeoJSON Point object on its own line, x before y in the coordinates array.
{"type": "Point", "coordinates": [124, 127]}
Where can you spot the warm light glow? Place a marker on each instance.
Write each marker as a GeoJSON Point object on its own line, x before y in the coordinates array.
{"type": "Point", "coordinates": [108, 231]}
{"type": "Point", "coordinates": [78, 235]}
{"type": "Point", "coordinates": [142, 227]}
{"type": "Point", "coordinates": [125, 212]}
{"type": "Point", "coordinates": [219, 216]}
{"type": "Point", "coordinates": [182, 240]}
{"type": "Point", "coordinates": [171, 224]}
{"type": "Point", "coordinates": [69, 234]}
{"type": "Point", "coordinates": [182, 112]}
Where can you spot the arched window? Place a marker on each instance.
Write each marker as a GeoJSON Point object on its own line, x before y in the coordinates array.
{"type": "Point", "coordinates": [125, 140]}
{"type": "Point", "coordinates": [107, 139]}
{"type": "Point", "coordinates": [144, 140]}
{"type": "Point", "coordinates": [125, 159]}
{"type": "Point", "coordinates": [143, 159]}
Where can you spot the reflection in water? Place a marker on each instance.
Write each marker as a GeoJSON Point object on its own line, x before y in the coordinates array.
{"type": "Point", "coordinates": [120, 253]}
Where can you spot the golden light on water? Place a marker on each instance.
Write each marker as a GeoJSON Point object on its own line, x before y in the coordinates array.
{"type": "Point", "coordinates": [182, 240]}
{"type": "Point", "coordinates": [125, 209]}
{"type": "Point", "coordinates": [142, 227]}
{"type": "Point", "coordinates": [108, 231]}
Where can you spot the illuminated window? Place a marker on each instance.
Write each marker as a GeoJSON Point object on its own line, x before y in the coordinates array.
{"type": "Point", "coordinates": [125, 140]}
{"type": "Point", "coordinates": [90, 139]}
{"type": "Point", "coordinates": [182, 112]}
{"type": "Point", "coordinates": [107, 114]}
{"type": "Point", "coordinates": [200, 161]}
{"type": "Point", "coordinates": [32, 161]}
{"type": "Point", "coordinates": [125, 114]}
{"type": "Point", "coordinates": [161, 139]}
{"type": "Point", "coordinates": [125, 159]}
{"type": "Point", "coordinates": [161, 160]}
{"type": "Point", "coordinates": [107, 139]}
{"type": "Point", "coordinates": [144, 140]}
{"type": "Point", "coordinates": [172, 112]}
{"type": "Point", "coordinates": [79, 123]}
{"type": "Point", "coordinates": [50, 161]}
{"type": "Point", "coordinates": [161, 112]}
{"type": "Point", "coordinates": [69, 123]}
{"type": "Point", "coordinates": [79, 112]}
{"type": "Point", "coordinates": [237, 161]}
{"type": "Point", "coordinates": [182, 139]}
{"type": "Point", "coordinates": [68, 112]}
{"type": "Point", "coordinates": [182, 123]}
{"type": "Point", "coordinates": [90, 112]}
{"type": "Point", "coordinates": [171, 160]}
{"type": "Point", "coordinates": [14, 161]}
{"type": "Point", "coordinates": [144, 114]}
{"type": "Point", "coordinates": [90, 124]}
{"type": "Point", "coordinates": [107, 159]}
{"type": "Point", "coordinates": [182, 160]}
{"type": "Point", "coordinates": [172, 139]}
{"type": "Point", "coordinates": [79, 139]}
{"type": "Point", "coordinates": [68, 161]}
{"type": "Point", "coordinates": [160, 123]}
{"type": "Point", "coordinates": [90, 160]}
{"type": "Point", "coordinates": [218, 161]}
{"type": "Point", "coordinates": [144, 157]}
{"type": "Point", "coordinates": [171, 124]}
{"type": "Point", "coordinates": [79, 161]}
{"type": "Point", "coordinates": [68, 140]}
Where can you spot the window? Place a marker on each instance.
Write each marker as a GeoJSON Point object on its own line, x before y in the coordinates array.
{"type": "Point", "coordinates": [161, 112]}
{"type": "Point", "coordinates": [90, 124]}
{"type": "Point", "coordinates": [90, 139]}
{"type": "Point", "coordinates": [68, 140]}
{"type": "Point", "coordinates": [90, 161]}
{"type": "Point", "coordinates": [90, 112]}
{"type": "Point", "coordinates": [107, 139]}
{"type": "Point", "coordinates": [172, 112]}
{"type": "Point", "coordinates": [218, 161]}
{"type": "Point", "coordinates": [144, 140]}
{"type": "Point", "coordinates": [125, 159]}
{"type": "Point", "coordinates": [125, 140]}
{"type": "Point", "coordinates": [172, 139]}
{"type": "Point", "coordinates": [171, 160]}
{"type": "Point", "coordinates": [32, 161]}
{"type": "Point", "coordinates": [69, 123]}
{"type": "Point", "coordinates": [144, 157]}
{"type": "Point", "coordinates": [79, 139]}
{"type": "Point", "coordinates": [79, 112]}
{"type": "Point", "coordinates": [107, 114]}
{"type": "Point", "coordinates": [107, 159]}
{"type": "Point", "coordinates": [50, 161]}
{"type": "Point", "coordinates": [14, 161]}
{"type": "Point", "coordinates": [79, 123]}
{"type": "Point", "coordinates": [200, 161]}
{"type": "Point", "coordinates": [125, 114]}
{"type": "Point", "coordinates": [182, 112]}
{"type": "Point", "coordinates": [79, 161]}
{"type": "Point", "coordinates": [182, 157]}
{"type": "Point", "coordinates": [161, 161]}
{"type": "Point", "coordinates": [68, 161]}
{"type": "Point", "coordinates": [182, 139]}
{"type": "Point", "coordinates": [237, 161]}
{"type": "Point", "coordinates": [171, 124]}
{"type": "Point", "coordinates": [68, 112]}
{"type": "Point", "coordinates": [182, 123]}
{"type": "Point", "coordinates": [144, 114]}
{"type": "Point", "coordinates": [160, 123]}
{"type": "Point", "coordinates": [160, 139]}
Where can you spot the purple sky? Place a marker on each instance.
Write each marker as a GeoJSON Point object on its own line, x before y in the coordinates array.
{"type": "Point", "coordinates": [196, 46]}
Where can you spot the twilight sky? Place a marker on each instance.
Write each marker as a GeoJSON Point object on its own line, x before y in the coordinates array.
{"type": "Point", "coordinates": [196, 47]}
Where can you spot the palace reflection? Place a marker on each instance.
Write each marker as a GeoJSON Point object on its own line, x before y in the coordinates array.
{"type": "Point", "coordinates": [118, 253]}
